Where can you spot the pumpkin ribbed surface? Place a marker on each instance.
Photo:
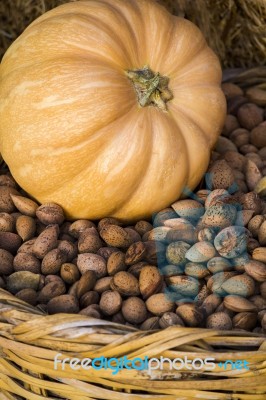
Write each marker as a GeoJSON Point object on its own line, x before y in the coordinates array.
{"type": "Point", "coordinates": [72, 130]}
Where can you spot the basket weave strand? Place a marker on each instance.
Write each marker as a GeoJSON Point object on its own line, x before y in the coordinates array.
{"type": "Point", "coordinates": [30, 341]}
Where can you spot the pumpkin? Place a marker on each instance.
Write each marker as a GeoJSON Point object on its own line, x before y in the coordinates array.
{"type": "Point", "coordinates": [109, 108]}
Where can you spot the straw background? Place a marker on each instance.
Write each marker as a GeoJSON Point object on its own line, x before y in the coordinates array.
{"type": "Point", "coordinates": [29, 339]}
{"type": "Point", "coordinates": [235, 29]}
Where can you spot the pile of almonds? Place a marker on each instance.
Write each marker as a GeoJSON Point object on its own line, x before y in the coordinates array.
{"type": "Point", "coordinates": [200, 262]}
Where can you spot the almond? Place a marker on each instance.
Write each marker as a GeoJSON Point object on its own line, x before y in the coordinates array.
{"type": "Point", "coordinates": [86, 283]}
{"type": "Point", "coordinates": [125, 283]}
{"type": "Point", "coordinates": [50, 213]}
{"type": "Point", "coordinates": [6, 203]}
{"type": "Point", "coordinates": [257, 270]}
{"type": "Point", "coordinates": [241, 285]}
{"type": "Point", "coordinates": [134, 310]}
{"type": "Point", "coordinates": [116, 263]}
{"type": "Point", "coordinates": [245, 320]}
{"type": "Point", "coordinates": [63, 304]}
{"type": "Point", "coordinates": [111, 302]}
{"type": "Point", "coordinates": [22, 280]}
{"type": "Point", "coordinates": [238, 304]}
{"type": "Point", "coordinates": [115, 236]}
{"type": "Point", "coordinates": [190, 314]}
{"type": "Point", "coordinates": [219, 321]}
{"type": "Point", "coordinates": [46, 241]}
{"type": "Point", "coordinates": [92, 262]}
{"type": "Point", "coordinates": [25, 205]}
{"type": "Point", "coordinates": [188, 208]}
{"type": "Point", "coordinates": [6, 262]}
{"type": "Point", "coordinates": [135, 253]}
{"type": "Point", "coordinates": [150, 281]}
{"type": "Point", "coordinates": [159, 303]}
{"type": "Point", "coordinates": [79, 226]}
{"type": "Point", "coordinates": [26, 227]}
{"type": "Point", "coordinates": [200, 252]}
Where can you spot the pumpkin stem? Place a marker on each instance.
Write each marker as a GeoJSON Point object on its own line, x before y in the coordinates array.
{"type": "Point", "coordinates": [151, 88]}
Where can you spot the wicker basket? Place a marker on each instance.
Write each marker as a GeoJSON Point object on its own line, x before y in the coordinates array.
{"type": "Point", "coordinates": [30, 340]}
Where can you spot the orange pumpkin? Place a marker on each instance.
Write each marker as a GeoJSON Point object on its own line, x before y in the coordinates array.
{"type": "Point", "coordinates": [109, 108]}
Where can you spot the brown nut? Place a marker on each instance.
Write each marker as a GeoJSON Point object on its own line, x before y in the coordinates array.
{"type": "Point", "coordinates": [52, 261]}
{"type": "Point", "coordinates": [202, 295]}
{"type": "Point", "coordinates": [28, 295]}
{"type": "Point", "coordinates": [230, 124]}
{"type": "Point", "coordinates": [263, 290]}
{"type": "Point", "coordinates": [201, 252]}
{"type": "Point", "coordinates": [85, 283]}
{"type": "Point", "coordinates": [159, 303]}
{"type": "Point", "coordinates": [150, 281]}
{"type": "Point", "coordinates": [190, 314]}
{"type": "Point", "coordinates": [219, 264]}
{"type": "Point", "coordinates": [125, 283]}
{"type": "Point", "coordinates": [256, 269]}
{"type": "Point", "coordinates": [259, 254]}
{"type": "Point", "coordinates": [92, 262]}
{"type": "Point", "coordinates": [142, 227]}
{"type": "Point", "coordinates": [8, 180]}
{"type": "Point", "coordinates": [262, 234]}
{"type": "Point", "coordinates": [89, 241]}
{"type": "Point", "coordinates": [258, 301]}
{"type": "Point", "coordinates": [27, 247]}
{"type": "Point", "coordinates": [79, 226]}
{"type": "Point", "coordinates": [63, 304]}
{"type": "Point", "coordinates": [6, 262]}
{"type": "Point", "coordinates": [176, 252]}
{"type": "Point", "coordinates": [170, 319]}
{"type": "Point", "coordinates": [135, 269]}
{"type": "Point", "coordinates": [50, 213]}
{"type": "Point", "coordinates": [196, 270]}
{"type": "Point", "coordinates": [51, 290]}
{"type": "Point", "coordinates": [258, 136]}
{"type": "Point", "coordinates": [188, 208]}
{"type": "Point", "coordinates": [245, 320]}
{"type": "Point", "coordinates": [25, 205]}
{"type": "Point", "coordinates": [108, 221]}
{"type": "Point", "coordinates": [238, 304]}
{"type": "Point", "coordinates": [151, 323]}
{"type": "Point", "coordinates": [133, 234]}
{"type": "Point", "coordinates": [68, 248]}
{"type": "Point", "coordinates": [103, 284]}
{"type": "Point", "coordinates": [6, 203]}
{"type": "Point", "coordinates": [155, 252]}
{"type": "Point", "coordinates": [134, 310]}
{"type": "Point", "coordinates": [241, 285]}
{"type": "Point", "coordinates": [219, 321]}
{"type": "Point", "coordinates": [69, 273]}
{"type": "Point", "coordinates": [91, 311]}
{"type": "Point", "coordinates": [135, 253]}
{"type": "Point", "coordinates": [111, 302]}
{"type": "Point", "coordinates": [116, 236]}
{"type": "Point", "coordinates": [46, 241]}
{"type": "Point", "coordinates": [106, 252]}
{"type": "Point", "coordinates": [22, 280]}
{"type": "Point", "coordinates": [25, 227]}
{"type": "Point", "coordinates": [7, 222]}
{"type": "Point", "coordinates": [184, 286]}
{"type": "Point", "coordinates": [249, 115]}
{"type": "Point", "coordinates": [254, 225]}
{"type": "Point", "coordinates": [10, 241]}
{"type": "Point", "coordinates": [220, 176]}
{"type": "Point", "coordinates": [116, 263]}
{"type": "Point", "coordinates": [91, 297]}
{"type": "Point", "coordinates": [210, 304]}
{"type": "Point", "coordinates": [27, 262]}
